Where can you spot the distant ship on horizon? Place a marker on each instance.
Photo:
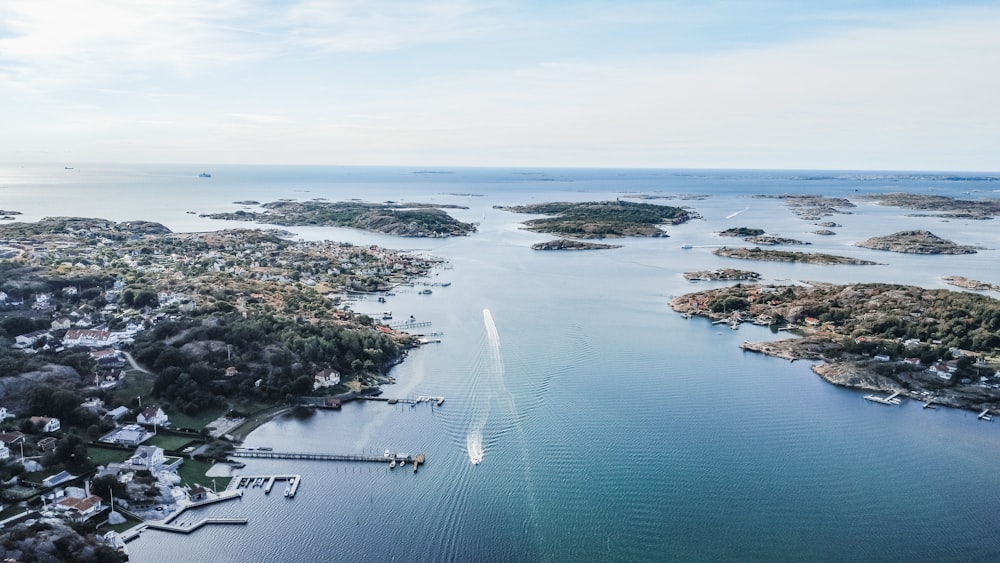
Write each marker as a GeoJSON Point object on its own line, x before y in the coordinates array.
{"type": "Point", "coordinates": [204, 175]}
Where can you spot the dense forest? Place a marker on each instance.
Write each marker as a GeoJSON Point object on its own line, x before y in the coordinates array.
{"type": "Point", "coordinates": [274, 358]}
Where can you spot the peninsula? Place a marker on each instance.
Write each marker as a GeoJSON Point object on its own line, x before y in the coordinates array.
{"type": "Point", "coordinates": [399, 219]}
{"type": "Point", "coordinates": [600, 219]}
{"type": "Point", "coordinates": [931, 344]}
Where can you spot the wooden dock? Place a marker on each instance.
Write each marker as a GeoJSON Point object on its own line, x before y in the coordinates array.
{"type": "Point", "coordinates": [890, 400]}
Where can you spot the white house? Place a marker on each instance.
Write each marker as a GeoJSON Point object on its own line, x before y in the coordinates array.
{"type": "Point", "coordinates": [148, 457]}
{"type": "Point", "coordinates": [87, 337]}
{"type": "Point", "coordinates": [4, 451]}
{"type": "Point", "coordinates": [62, 323]}
{"type": "Point", "coordinates": [25, 340]}
{"type": "Point", "coordinates": [5, 414]}
{"type": "Point", "coordinates": [46, 424]}
{"type": "Point", "coordinates": [326, 378]}
{"type": "Point", "coordinates": [152, 415]}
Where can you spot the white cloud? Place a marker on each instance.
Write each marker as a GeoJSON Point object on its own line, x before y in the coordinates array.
{"type": "Point", "coordinates": [366, 26]}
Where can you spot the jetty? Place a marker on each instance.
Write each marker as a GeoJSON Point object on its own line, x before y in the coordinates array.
{"type": "Point", "coordinates": [985, 415]}
{"type": "Point", "coordinates": [890, 400]}
{"type": "Point", "coordinates": [399, 458]}
{"type": "Point", "coordinates": [408, 325]}
{"type": "Point", "coordinates": [188, 529]}
{"type": "Point", "coordinates": [420, 399]}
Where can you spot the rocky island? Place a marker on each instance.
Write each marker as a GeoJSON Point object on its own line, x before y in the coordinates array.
{"type": "Point", "coordinates": [915, 242]}
{"type": "Point", "coordinates": [948, 207]}
{"type": "Point", "coordinates": [757, 253]}
{"type": "Point", "coordinates": [813, 207]}
{"type": "Point", "coordinates": [931, 344]}
{"type": "Point", "coordinates": [757, 236]}
{"type": "Point", "coordinates": [399, 219]}
{"type": "Point", "coordinates": [722, 274]}
{"type": "Point", "coordinates": [600, 219]}
{"type": "Point", "coordinates": [566, 244]}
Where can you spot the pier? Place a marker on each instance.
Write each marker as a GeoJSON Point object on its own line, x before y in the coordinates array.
{"type": "Point", "coordinates": [418, 400]}
{"type": "Point", "coordinates": [387, 457]}
{"type": "Point", "coordinates": [408, 325]}
{"type": "Point", "coordinates": [985, 415]}
{"type": "Point", "coordinates": [890, 400]}
{"type": "Point", "coordinates": [188, 529]}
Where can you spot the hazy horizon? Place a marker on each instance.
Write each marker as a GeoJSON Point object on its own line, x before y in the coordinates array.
{"type": "Point", "coordinates": [846, 85]}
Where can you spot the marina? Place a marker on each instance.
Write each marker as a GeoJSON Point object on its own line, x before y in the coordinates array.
{"type": "Point", "coordinates": [267, 482]}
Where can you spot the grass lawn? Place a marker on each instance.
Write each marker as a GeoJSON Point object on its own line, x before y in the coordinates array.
{"type": "Point", "coordinates": [137, 384]}
{"type": "Point", "coordinates": [167, 442]}
{"type": "Point", "coordinates": [193, 471]}
{"type": "Point", "coordinates": [126, 525]}
{"type": "Point", "coordinates": [195, 421]}
{"type": "Point", "coordinates": [104, 456]}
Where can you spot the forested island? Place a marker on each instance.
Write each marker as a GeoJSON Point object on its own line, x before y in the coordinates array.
{"type": "Point", "coordinates": [600, 219]}
{"type": "Point", "coordinates": [757, 253]}
{"type": "Point", "coordinates": [932, 344]}
{"type": "Point", "coordinates": [400, 219]}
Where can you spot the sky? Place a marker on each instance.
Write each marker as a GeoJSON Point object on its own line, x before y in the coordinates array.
{"type": "Point", "coordinates": [769, 84]}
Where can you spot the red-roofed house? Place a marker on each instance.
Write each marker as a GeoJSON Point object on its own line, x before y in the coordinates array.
{"type": "Point", "coordinates": [87, 337]}
{"type": "Point", "coordinates": [79, 509]}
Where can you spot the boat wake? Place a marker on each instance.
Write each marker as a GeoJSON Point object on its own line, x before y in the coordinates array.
{"type": "Point", "coordinates": [474, 445]}
{"type": "Point", "coordinates": [731, 215]}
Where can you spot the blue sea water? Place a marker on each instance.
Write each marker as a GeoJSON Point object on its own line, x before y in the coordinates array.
{"type": "Point", "coordinates": [612, 428]}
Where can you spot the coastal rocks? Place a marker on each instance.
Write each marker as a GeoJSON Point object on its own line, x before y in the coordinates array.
{"type": "Point", "coordinates": [787, 256]}
{"type": "Point", "coordinates": [722, 274]}
{"type": "Point", "coordinates": [915, 242]}
{"type": "Point", "coordinates": [824, 232]}
{"type": "Point", "coordinates": [966, 283]}
{"type": "Point", "coordinates": [566, 244]}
